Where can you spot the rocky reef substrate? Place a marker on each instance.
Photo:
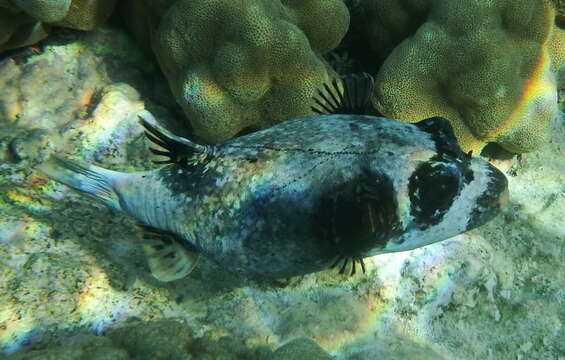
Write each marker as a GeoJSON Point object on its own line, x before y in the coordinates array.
{"type": "Point", "coordinates": [73, 280]}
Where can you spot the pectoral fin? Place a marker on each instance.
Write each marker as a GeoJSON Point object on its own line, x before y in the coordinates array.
{"type": "Point", "coordinates": [167, 258]}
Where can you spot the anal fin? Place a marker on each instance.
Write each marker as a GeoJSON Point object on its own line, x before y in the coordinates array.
{"type": "Point", "coordinates": [167, 258]}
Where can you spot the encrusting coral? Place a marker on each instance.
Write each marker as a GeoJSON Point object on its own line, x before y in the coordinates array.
{"type": "Point", "coordinates": [489, 67]}
{"type": "Point", "coordinates": [25, 22]}
{"type": "Point", "coordinates": [237, 66]}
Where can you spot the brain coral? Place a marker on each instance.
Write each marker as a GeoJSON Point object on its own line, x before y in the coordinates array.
{"type": "Point", "coordinates": [23, 22]}
{"type": "Point", "coordinates": [44, 10]}
{"type": "Point", "coordinates": [488, 66]}
{"type": "Point", "coordinates": [239, 65]}
{"type": "Point", "coordinates": [86, 15]}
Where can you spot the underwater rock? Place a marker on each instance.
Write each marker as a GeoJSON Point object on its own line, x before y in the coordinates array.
{"type": "Point", "coordinates": [155, 340]}
{"type": "Point", "coordinates": [158, 340]}
{"type": "Point", "coordinates": [301, 348]}
{"type": "Point", "coordinates": [77, 93]}
{"type": "Point", "coordinates": [92, 101]}
{"type": "Point", "coordinates": [169, 339]}
{"type": "Point", "coordinates": [83, 346]}
{"type": "Point", "coordinates": [28, 145]}
{"type": "Point", "coordinates": [492, 78]}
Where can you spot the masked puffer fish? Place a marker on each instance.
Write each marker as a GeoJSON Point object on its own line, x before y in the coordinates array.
{"type": "Point", "coordinates": [302, 196]}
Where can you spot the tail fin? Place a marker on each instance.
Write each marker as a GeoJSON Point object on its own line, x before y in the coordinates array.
{"type": "Point", "coordinates": [94, 181]}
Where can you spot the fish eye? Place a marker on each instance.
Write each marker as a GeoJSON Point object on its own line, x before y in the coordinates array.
{"type": "Point", "coordinates": [433, 187]}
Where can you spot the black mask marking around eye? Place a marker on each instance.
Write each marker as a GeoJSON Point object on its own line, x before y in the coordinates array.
{"type": "Point", "coordinates": [433, 187]}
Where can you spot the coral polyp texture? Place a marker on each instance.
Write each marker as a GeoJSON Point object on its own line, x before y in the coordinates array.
{"type": "Point", "coordinates": [87, 15]}
{"type": "Point", "coordinates": [489, 67]}
{"type": "Point", "coordinates": [245, 65]}
{"type": "Point", "coordinates": [45, 10]}
{"type": "Point", "coordinates": [25, 22]}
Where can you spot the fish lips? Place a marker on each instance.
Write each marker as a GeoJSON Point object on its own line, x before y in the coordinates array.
{"type": "Point", "coordinates": [494, 199]}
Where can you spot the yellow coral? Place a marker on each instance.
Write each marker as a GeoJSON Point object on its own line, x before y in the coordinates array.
{"type": "Point", "coordinates": [22, 22]}
{"type": "Point", "coordinates": [44, 10]}
{"type": "Point", "coordinates": [238, 65]}
{"type": "Point", "coordinates": [87, 15]}
{"type": "Point", "coordinates": [489, 67]}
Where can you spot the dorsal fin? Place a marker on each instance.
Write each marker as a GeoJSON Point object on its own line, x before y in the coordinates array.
{"type": "Point", "coordinates": [354, 98]}
{"type": "Point", "coordinates": [178, 149]}
{"type": "Point", "coordinates": [166, 256]}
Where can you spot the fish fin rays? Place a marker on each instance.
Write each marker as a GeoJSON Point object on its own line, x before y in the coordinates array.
{"type": "Point", "coordinates": [357, 217]}
{"type": "Point", "coordinates": [178, 150]}
{"type": "Point", "coordinates": [94, 181]}
{"type": "Point", "coordinates": [351, 96]}
{"type": "Point", "coordinates": [345, 261]}
{"type": "Point", "coordinates": [167, 258]}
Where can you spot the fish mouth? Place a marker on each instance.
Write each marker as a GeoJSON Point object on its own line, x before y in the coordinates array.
{"type": "Point", "coordinates": [495, 198]}
{"type": "Point", "coordinates": [498, 186]}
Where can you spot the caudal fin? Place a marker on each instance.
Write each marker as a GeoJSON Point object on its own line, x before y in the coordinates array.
{"type": "Point", "coordinates": [94, 181]}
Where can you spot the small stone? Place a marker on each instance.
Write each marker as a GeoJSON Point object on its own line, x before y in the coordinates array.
{"type": "Point", "coordinates": [301, 348]}
{"type": "Point", "coordinates": [82, 346]}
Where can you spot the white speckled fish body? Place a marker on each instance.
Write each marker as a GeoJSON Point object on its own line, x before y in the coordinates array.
{"type": "Point", "coordinates": [301, 196]}
{"type": "Point", "coordinates": [291, 199]}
